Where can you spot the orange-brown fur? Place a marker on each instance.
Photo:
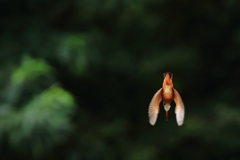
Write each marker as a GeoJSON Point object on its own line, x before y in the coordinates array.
{"type": "Point", "coordinates": [167, 94]}
{"type": "Point", "coordinates": [167, 89]}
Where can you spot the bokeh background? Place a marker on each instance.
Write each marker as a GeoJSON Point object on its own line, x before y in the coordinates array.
{"type": "Point", "coordinates": [77, 76]}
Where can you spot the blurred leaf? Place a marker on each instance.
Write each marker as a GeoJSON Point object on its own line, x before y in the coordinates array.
{"type": "Point", "coordinates": [30, 69]}
{"type": "Point", "coordinates": [44, 120]}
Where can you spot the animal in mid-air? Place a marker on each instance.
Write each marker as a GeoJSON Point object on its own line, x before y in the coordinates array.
{"type": "Point", "coordinates": [166, 94]}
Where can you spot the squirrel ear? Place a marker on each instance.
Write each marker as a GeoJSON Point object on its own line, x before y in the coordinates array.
{"type": "Point", "coordinates": [164, 74]}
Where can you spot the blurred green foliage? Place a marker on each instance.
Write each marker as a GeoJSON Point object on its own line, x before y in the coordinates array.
{"type": "Point", "coordinates": [76, 79]}
{"type": "Point", "coordinates": [30, 70]}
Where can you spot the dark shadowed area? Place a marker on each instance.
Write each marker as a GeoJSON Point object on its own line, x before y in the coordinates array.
{"type": "Point", "coordinates": [77, 76]}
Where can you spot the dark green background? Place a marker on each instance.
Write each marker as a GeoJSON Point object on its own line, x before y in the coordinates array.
{"type": "Point", "coordinates": [77, 76]}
